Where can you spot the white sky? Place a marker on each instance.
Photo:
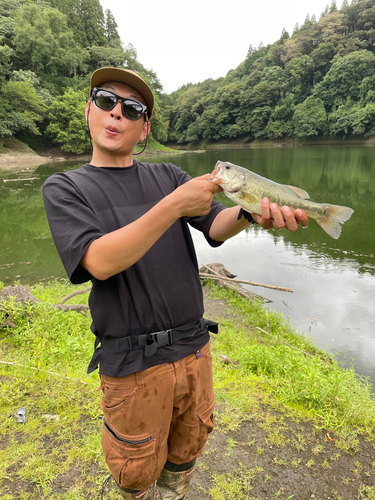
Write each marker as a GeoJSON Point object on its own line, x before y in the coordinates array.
{"type": "Point", "coordinates": [188, 42]}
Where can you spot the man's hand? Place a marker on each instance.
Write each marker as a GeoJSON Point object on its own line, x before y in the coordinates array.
{"type": "Point", "coordinates": [195, 196]}
{"type": "Point", "coordinates": [273, 217]}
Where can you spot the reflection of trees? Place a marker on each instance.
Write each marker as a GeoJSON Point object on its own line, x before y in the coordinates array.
{"type": "Point", "coordinates": [25, 235]}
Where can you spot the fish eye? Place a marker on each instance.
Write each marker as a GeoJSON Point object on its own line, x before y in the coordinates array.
{"type": "Point", "coordinates": [227, 167]}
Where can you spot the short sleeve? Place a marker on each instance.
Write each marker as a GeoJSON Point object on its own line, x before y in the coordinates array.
{"type": "Point", "coordinates": [74, 225]}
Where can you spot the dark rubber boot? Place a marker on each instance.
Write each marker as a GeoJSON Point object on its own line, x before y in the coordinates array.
{"type": "Point", "coordinates": [149, 494]}
{"type": "Point", "coordinates": [174, 485]}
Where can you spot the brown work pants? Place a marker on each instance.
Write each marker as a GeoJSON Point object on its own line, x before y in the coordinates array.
{"type": "Point", "coordinates": [163, 413]}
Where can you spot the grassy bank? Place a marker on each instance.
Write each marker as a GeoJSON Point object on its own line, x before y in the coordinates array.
{"type": "Point", "coordinates": [282, 405]}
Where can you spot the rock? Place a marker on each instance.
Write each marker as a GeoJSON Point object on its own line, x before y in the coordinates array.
{"type": "Point", "coordinates": [21, 294]}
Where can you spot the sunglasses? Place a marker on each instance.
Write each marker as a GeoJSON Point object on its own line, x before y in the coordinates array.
{"type": "Point", "coordinates": [107, 100]}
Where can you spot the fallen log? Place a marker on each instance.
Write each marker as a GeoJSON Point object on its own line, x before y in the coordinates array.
{"type": "Point", "coordinates": [225, 279]}
{"type": "Point", "coordinates": [252, 283]}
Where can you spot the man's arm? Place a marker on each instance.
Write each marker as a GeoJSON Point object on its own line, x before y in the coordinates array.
{"type": "Point", "coordinates": [226, 225]}
{"type": "Point", "coordinates": [116, 251]}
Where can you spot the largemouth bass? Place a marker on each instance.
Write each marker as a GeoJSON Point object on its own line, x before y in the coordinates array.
{"type": "Point", "coordinates": [248, 189]}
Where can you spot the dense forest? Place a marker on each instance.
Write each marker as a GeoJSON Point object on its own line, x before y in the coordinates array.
{"type": "Point", "coordinates": [318, 81]}
{"type": "Point", "coordinates": [48, 50]}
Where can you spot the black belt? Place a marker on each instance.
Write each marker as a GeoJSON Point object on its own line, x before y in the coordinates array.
{"type": "Point", "coordinates": [150, 342]}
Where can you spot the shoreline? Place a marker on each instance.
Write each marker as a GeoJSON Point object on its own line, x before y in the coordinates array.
{"type": "Point", "coordinates": [12, 161]}
{"type": "Point", "coordinates": [29, 159]}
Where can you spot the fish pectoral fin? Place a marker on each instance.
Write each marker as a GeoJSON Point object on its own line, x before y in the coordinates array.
{"type": "Point", "coordinates": [301, 193]}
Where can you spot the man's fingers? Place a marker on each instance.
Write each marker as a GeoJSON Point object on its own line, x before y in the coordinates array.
{"type": "Point", "coordinates": [266, 214]}
{"type": "Point", "coordinates": [301, 217]}
{"type": "Point", "coordinates": [204, 177]}
{"type": "Point", "coordinates": [290, 220]}
{"type": "Point", "coordinates": [213, 186]}
{"type": "Point", "coordinates": [277, 215]}
{"type": "Point", "coordinates": [274, 217]}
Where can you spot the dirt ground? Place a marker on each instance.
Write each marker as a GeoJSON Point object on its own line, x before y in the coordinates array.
{"type": "Point", "coordinates": [25, 160]}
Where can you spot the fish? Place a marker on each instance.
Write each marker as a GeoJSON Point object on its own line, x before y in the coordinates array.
{"type": "Point", "coordinates": [247, 189]}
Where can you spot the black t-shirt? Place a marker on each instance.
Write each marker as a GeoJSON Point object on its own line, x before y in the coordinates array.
{"type": "Point", "coordinates": [160, 291]}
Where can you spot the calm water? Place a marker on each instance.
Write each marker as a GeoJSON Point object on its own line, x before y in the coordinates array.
{"type": "Point", "coordinates": [333, 280]}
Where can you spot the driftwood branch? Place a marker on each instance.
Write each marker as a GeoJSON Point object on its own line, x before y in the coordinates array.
{"type": "Point", "coordinates": [252, 283]}
{"type": "Point", "coordinates": [73, 294]}
{"type": "Point", "coordinates": [80, 308]}
{"type": "Point", "coordinates": [224, 277]}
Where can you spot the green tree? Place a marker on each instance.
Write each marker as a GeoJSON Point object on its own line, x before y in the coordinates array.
{"type": "Point", "coordinates": [92, 17]}
{"type": "Point", "coordinates": [280, 123]}
{"type": "Point", "coordinates": [111, 32]}
{"type": "Point", "coordinates": [352, 119]}
{"type": "Point", "coordinates": [5, 60]}
{"type": "Point", "coordinates": [367, 90]}
{"type": "Point", "coordinates": [72, 10]}
{"type": "Point", "coordinates": [44, 43]}
{"type": "Point", "coordinates": [310, 118]}
{"type": "Point", "coordinates": [258, 121]}
{"type": "Point", "coordinates": [106, 56]}
{"type": "Point", "coordinates": [21, 108]}
{"type": "Point", "coordinates": [345, 77]}
{"type": "Point", "coordinates": [31, 78]}
{"type": "Point", "coordinates": [322, 56]}
{"type": "Point", "coordinates": [68, 126]}
{"type": "Point", "coordinates": [301, 70]}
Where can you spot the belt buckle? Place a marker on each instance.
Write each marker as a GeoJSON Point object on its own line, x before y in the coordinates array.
{"type": "Point", "coordinates": [162, 338]}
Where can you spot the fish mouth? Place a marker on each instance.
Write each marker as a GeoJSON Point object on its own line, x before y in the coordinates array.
{"type": "Point", "coordinates": [230, 184]}
{"type": "Point", "coordinates": [216, 173]}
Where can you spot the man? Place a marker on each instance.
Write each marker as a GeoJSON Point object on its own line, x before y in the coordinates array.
{"type": "Point", "coordinates": [123, 224]}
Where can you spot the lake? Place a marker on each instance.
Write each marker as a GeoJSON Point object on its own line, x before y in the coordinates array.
{"type": "Point", "coordinates": [333, 280]}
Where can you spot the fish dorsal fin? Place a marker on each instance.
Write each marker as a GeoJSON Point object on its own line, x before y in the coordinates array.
{"type": "Point", "coordinates": [301, 193]}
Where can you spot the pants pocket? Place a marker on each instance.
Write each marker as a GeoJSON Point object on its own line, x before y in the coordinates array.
{"type": "Point", "coordinates": [206, 417]}
{"type": "Point", "coordinates": [130, 459]}
{"type": "Point", "coordinates": [118, 392]}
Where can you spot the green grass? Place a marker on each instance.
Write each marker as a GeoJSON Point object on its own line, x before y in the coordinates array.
{"type": "Point", "coordinates": [284, 365]}
{"type": "Point", "coordinates": [57, 453]}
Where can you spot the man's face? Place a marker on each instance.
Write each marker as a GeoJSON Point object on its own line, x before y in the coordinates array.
{"type": "Point", "coordinates": [111, 131]}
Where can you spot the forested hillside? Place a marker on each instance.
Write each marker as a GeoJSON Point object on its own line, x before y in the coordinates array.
{"type": "Point", "coordinates": [318, 81]}
{"type": "Point", "coordinates": [48, 49]}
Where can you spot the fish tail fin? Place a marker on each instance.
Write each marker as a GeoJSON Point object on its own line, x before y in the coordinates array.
{"type": "Point", "coordinates": [334, 217]}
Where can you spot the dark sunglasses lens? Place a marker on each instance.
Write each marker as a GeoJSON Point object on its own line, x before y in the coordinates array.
{"type": "Point", "coordinates": [132, 110]}
{"type": "Point", "coordinates": [105, 100]}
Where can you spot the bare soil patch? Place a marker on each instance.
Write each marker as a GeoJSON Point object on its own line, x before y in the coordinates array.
{"type": "Point", "coordinates": [22, 160]}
